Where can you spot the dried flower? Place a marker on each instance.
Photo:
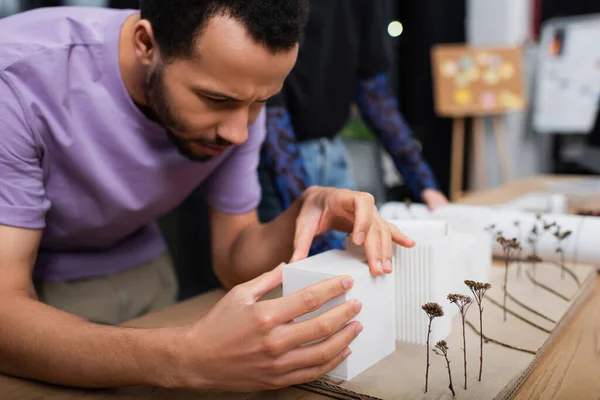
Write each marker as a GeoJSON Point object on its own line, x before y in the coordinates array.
{"type": "Point", "coordinates": [479, 289]}
{"type": "Point", "coordinates": [463, 303]}
{"type": "Point", "coordinates": [460, 300]}
{"type": "Point", "coordinates": [441, 349]}
{"type": "Point", "coordinates": [433, 310]}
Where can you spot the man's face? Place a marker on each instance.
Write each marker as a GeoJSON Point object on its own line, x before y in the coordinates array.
{"type": "Point", "coordinates": [206, 102]}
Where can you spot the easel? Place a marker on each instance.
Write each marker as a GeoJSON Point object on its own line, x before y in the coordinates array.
{"type": "Point", "coordinates": [477, 83]}
{"type": "Point", "coordinates": [478, 148]}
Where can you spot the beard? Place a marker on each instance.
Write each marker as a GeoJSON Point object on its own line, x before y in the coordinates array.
{"type": "Point", "coordinates": [162, 112]}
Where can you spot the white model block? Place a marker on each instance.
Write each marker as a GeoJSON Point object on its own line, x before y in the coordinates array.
{"type": "Point", "coordinates": [436, 266]}
{"type": "Point", "coordinates": [376, 295]}
{"type": "Point", "coordinates": [469, 231]}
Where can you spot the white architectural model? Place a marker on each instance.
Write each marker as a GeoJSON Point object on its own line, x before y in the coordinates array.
{"type": "Point", "coordinates": [376, 294]}
{"type": "Point", "coordinates": [436, 266]}
{"type": "Point", "coordinates": [580, 247]}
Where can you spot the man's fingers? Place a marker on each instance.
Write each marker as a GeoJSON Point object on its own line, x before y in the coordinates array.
{"type": "Point", "coordinates": [306, 230]}
{"type": "Point", "coordinates": [290, 336]}
{"type": "Point", "coordinates": [364, 207]}
{"type": "Point", "coordinates": [287, 308]}
{"type": "Point", "coordinates": [264, 283]}
{"type": "Point", "coordinates": [311, 374]}
{"type": "Point", "coordinates": [374, 250]}
{"type": "Point", "coordinates": [320, 353]}
{"type": "Point", "coordinates": [399, 238]}
{"type": "Point", "coordinates": [387, 245]}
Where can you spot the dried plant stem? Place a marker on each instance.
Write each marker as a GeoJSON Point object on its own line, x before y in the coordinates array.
{"type": "Point", "coordinates": [480, 342]}
{"type": "Point", "coordinates": [509, 246]}
{"type": "Point", "coordinates": [518, 225]}
{"type": "Point", "coordinates": [562, 264]}
{"type": "Point", "coordinates": [478, 289]}
{"type": "Point", "coordinates": [432, 310]}
{"type": "Point", "coordinates": [464, 350]}
{"type": "Point", "coordinates": [505, 288]}
{"type": "Point", "coordinates": [441, 348]}
{"type": "Point", "coordinates": [427, 370]}
{"type": "Point", "coordinates": [463, 303]}
{"type": "Point", "coordinates": [451, 386]}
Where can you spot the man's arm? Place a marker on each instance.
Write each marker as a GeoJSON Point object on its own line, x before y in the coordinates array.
{"type": "Point", "coordinates": [242, 248]}
{"type": "Point", "coordinates": [284, 161]}
{"type": "Point", "coordinates": [240, 345]}
{"type": "Point", "coordinates": [379, 110]}
{"type": "Point", "coordinates": [43, 343]}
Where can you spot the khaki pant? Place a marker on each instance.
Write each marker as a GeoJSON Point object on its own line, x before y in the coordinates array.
{"type": "Point", "coordinates": [116, 298]}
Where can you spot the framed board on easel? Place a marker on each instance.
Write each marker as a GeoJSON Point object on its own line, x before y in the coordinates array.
{"type": "Point", "coordinates": [478, 83]}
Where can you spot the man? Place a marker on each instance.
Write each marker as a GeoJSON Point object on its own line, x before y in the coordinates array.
{"type": "Point", "coordinates": [342, 60]}
{"type": "Point", "coordinates": [109, 119]}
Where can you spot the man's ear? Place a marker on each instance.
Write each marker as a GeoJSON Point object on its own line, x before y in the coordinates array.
{"type": "Point", "coordinates": [145, 46]}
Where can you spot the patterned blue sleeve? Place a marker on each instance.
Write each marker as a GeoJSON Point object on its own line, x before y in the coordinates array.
{"type": "Point", "coordinates": [283, 159]}
{"type": "Point", "coordinates": [379, 110]}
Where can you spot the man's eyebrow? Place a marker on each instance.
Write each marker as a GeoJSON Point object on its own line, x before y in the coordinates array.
{"type": "Point", "coordinates": [220, 96]}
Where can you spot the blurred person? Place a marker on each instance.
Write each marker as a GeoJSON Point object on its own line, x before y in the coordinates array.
{"type": "Point", "coordinates": [342, 60]}
{"type": "Point", "coordinates": [109, 119]}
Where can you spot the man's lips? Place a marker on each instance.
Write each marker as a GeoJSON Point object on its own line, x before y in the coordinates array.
{"type": "Point", "coordinates": [211, 149]}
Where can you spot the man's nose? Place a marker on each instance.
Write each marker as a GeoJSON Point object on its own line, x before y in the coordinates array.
{"type": "Point", "coordinates": [235, 128]}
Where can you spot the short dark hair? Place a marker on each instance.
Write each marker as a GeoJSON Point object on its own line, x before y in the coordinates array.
{"type": "Point", "coordinates": [276, 24]}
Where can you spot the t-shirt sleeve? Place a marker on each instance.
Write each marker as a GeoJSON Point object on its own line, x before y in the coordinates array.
{"type": "Point", "coordinates": [374, 52]}
{"type": "Point", "coordinates": [234, 188]}
{"type": "Point", "coordinates": [23, 201]}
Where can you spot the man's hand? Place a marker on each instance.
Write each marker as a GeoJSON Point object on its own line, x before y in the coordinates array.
{"type": "Point", "coordinates": [434, 198]}
{"type": "Point", "coordinates": [246, 345]}
{"type": "Point", "coordinates": [344, 210]}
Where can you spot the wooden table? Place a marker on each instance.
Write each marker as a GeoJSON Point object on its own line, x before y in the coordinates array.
{"type": "Point", "coordinates": [570, 369]}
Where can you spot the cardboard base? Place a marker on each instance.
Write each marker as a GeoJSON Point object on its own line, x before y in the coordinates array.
{"type": "Point", "coordinates": [537, 315]}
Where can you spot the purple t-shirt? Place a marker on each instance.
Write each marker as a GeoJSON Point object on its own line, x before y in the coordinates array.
{"type": "Point", "coordinates": [81, 161]}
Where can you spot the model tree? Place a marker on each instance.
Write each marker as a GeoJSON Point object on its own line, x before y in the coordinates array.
{"type": "Point", "coordinates": [433, 310]}
{"type": "Point", "coordinates": [509, 247]}
{"type": "Point", "coordinates": [532, 239]}
{"type": "Point", "coordinates": [478, 289]}
{"type": "Point", "coordinates": [517, 225]}
{"type": "Point", "coordinates": [441, 349]}
{"type": "Point", "coordinates": [463, 303]}
{"type": "Point", "coordinates": [560, 237]}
